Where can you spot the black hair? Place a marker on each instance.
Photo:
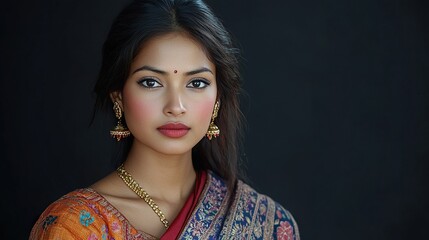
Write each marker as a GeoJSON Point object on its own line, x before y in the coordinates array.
{"type": "Point", "coordinates": [145, 19]}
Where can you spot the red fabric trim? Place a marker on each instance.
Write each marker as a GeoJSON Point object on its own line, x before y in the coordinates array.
{"type": "Point", "coordinates": [179, 223]}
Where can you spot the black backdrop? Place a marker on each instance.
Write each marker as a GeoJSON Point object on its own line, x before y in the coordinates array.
{"type": "Point", "coordinates": [336, 104]}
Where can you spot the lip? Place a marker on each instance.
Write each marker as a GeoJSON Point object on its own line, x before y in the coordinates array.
{"type": "Point", "coordinates": [174, 130]}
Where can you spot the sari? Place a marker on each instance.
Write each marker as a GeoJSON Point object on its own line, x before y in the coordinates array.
{"type": "Point", "coordinates": [211, 212]}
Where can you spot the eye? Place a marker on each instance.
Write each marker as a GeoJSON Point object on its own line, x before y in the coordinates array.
{"type": "Point", "coordinates": [198, 83]}
{"type": "Point", "coordinates": [149, 83]}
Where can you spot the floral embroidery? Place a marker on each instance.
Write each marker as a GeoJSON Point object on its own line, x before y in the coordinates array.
{"type": "Point", "coordinates": [237, 230]}
{"type": "Point", "coordinates": [248, 215]}
{"type": "Point", "coordinates": [220, 214]}
{"type": "Point", "coordinates": [93, 236]}
{"type": "Point", "coordinates": [206, 217]}
{"type": "Point", "coordinates": [197, 228]}
{"type": "Point", "coordinates": [48, 221]}
{"type": "Point", "coordinates": [116, 227]}
{"type": "Point", "coordinates": [85, 218]}
{"type": "Point", "coordinates": [285, 231]}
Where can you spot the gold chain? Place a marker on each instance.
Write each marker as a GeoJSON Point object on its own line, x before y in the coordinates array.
{"type": "Point", "coordinates": [133, 185]}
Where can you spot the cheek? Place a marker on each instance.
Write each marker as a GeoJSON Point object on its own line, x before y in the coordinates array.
{"type": "Point", "coordinates": [204, 111]}
{"type": "Point", "coordinates": [136, 108]}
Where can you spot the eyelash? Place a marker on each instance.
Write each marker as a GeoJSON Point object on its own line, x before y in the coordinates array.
{"type": "Point", "coordinates": [144, 82]}
{"type": "Point", "coordinates": [205, 82]}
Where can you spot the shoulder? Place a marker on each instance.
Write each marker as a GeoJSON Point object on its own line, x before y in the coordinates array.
{"type": "Point", "coordinates": [285, 226]}
{"type": "Point", "coordinates": [270, 219]}
{"type": "Point", "coordinates": [79, 214]}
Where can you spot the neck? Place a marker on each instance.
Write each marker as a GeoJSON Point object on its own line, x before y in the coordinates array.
{"type": "Point", "coordinates": [169, 178]}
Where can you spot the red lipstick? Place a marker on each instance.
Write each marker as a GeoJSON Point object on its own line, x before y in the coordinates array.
{"type": "Point", "coordinates": [174, 130]}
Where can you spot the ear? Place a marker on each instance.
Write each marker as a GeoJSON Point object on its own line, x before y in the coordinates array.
{"type": "Point", "coordinates": [116, 96]}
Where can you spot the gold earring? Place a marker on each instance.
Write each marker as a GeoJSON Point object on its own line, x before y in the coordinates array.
{"type": "Point", "coordinates": [213, 130]}
{"type": "Point", "coordinates": [119, 132]}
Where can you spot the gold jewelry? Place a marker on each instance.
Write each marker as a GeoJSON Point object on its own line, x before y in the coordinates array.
{"type": "Point", "coordinates": [119, 132]}
{"type": "Point", "coordinates": [133, 185]}
{"type": "Point", "coordinates": [213, 130]}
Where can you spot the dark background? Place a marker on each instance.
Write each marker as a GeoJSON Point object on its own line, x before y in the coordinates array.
{"type": "Point", "coordinates": [336, 103]}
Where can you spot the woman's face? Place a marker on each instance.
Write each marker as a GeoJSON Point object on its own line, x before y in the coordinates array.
{"type": "Point", "coordinates": [170, 93]}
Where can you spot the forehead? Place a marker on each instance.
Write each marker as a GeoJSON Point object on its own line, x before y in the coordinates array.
{"type": "Point", "coordinates": [172, 51]}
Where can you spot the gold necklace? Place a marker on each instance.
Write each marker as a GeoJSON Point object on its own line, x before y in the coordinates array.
{"type": "Point", "coordinates": [133, 185]}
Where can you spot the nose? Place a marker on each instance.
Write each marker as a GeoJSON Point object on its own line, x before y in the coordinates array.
{"type": "Point", "coordinates": [174, 105]}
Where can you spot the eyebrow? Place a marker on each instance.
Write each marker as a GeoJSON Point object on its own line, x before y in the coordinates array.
{"type": "Point", "coordinates": [199, 70]}
{"type": "Point", "coordinates": [152, 69]}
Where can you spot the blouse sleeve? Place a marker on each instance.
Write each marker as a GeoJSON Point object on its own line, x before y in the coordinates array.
{"type": "Point", "coordinates": [62, 220]}
{"type": "Point", "coordinates": [285, 226]}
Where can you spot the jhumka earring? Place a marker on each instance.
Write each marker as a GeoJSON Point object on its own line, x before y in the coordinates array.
{"type": "Point", "coordinates": [213, 130]}
{"type": "Point", "coordinates": [119, 132]}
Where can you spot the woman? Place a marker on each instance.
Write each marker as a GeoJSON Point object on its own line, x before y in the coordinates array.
{"type": "Point", "coordinates": [171, 75]}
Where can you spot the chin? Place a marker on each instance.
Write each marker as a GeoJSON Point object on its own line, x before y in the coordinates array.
{"type": "Point", "coordinates": [170, 146]}
{"type": "Point", "coordinates": [174, 148]}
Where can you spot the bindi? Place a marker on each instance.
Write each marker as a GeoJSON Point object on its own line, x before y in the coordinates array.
{"type": "Point", "coordinates": [175, 71]}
